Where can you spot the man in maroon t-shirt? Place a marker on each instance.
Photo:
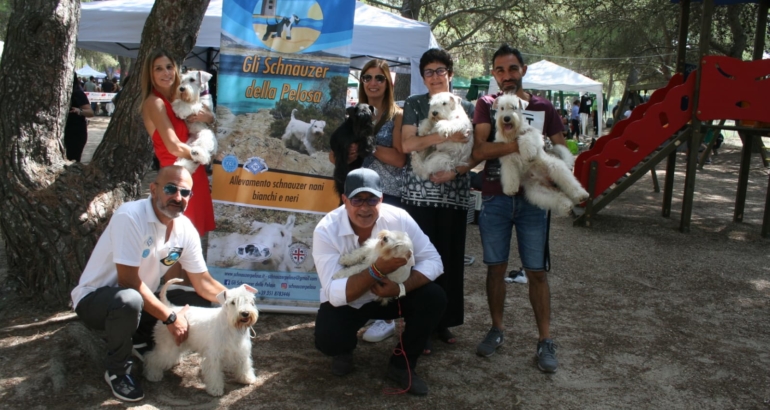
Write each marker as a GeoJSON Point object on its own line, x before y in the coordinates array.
{"type": "Point", "coordinates": [500, 213]}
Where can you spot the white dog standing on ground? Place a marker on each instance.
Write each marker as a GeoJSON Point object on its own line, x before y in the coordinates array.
{"type": "Point", "coordinates": [547, 180]}
{"type": "Point", "coordinates": [388, 245]}
{"type": "Point", "coordinates": [220, 335]}
{"type": "Point", "coordinates": [300, 133]}
{"type": "Point", "coordinates": [202, 141]}
{"type": "Point", "coordinates": [445, 117]}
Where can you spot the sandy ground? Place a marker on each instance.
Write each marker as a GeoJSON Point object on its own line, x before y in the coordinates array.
{"type": "Point", "coordinates": [643, 315]}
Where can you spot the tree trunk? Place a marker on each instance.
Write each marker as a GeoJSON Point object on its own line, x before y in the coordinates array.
{"type": "Point", "coordinates": [403, 88]}
{"type": "Point", "coordinates": [54, 210]}
{"type": "Point", "coordinates": [126, 65]}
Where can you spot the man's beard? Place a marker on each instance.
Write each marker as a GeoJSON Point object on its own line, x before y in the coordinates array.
{"type": "Point", "coordinates": [163, 208]}
{"type": "Point", "coordinates": [512, 88]}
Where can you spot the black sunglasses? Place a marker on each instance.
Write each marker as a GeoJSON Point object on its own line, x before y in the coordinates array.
{"type": "Point", "coordinates": [371, 201]}
{"type": "Point", "coordinates": [171, 189]}
{"type": "Point", "coordinates": [368, 77]}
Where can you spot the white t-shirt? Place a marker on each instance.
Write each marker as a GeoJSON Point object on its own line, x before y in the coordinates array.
{"type": "Point", "coordinates": [334, 236]}
{"type": "Point", "coordinates": [135, 237]}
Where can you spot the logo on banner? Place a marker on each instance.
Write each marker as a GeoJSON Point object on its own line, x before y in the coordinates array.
{"type": "Point", "coordinates": [298, 252]}
{"type": "Point", "coordinates": [284, 285]}
{"type": "Point", "coordinates": [230, 163]}
{"type": "Point", "coordinates": [255, 165]}
{"type": "Point", "coordinates": [287, 26]}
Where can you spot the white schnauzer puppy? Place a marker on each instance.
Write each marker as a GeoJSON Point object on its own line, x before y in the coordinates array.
{"type": "Point", "coordinates": [446, 117]}
{"type": "Point", "coordinates": [202, 142]}
{"type": "Point", "coordinates": [388, 245]}
{"type": "Point", "coordinates": [300, 133]}
{"type": "Point", "coordinates": [547, 180]}
{"type": "Point", "coordinates": [220, 335]}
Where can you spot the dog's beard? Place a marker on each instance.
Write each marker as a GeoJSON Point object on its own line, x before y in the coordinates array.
{"type": "Point", "coordinates": [186, 95]}
{"type": "Point", "coordinates": [245, 322]}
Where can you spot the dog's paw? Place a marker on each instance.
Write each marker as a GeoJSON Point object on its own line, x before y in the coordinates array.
{"type": "Point", "coordinates": [215, 391]}
{"type": "Point", "coordinates": [153, 374]}
{"type": "Point", "coordinates": [248, 378]}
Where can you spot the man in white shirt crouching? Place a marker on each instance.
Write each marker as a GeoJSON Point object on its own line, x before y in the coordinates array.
{"type": "Point", "coordinates": [116, 291]}
{"type": "Point", "coordinates": [348, 303]}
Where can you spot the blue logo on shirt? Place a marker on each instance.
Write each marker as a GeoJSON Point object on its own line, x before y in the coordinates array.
{"type": "Point", "coordinates": [145, 253]}
{"type": "Point", "coordinates": [230, 163]}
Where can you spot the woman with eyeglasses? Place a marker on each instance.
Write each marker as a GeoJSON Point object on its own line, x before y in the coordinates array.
{"type": "Point", "coordinates": [160, 83]}
{"type": "Point", "coordinates": [439, 204]}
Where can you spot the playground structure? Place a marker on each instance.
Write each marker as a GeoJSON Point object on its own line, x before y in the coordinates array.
{"type": "Point", "coordinates": [722, 88]}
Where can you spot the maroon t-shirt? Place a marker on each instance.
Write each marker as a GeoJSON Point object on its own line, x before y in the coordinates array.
{"type": "Point", "coordinates": [484, 115]}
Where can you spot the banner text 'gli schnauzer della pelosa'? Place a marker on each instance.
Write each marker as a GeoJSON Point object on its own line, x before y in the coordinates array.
{"type": "Point", "coordinates": [282, 83]}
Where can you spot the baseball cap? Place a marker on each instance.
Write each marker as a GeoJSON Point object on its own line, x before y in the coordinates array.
{"type": "Point", "coordinates": [362, 180]}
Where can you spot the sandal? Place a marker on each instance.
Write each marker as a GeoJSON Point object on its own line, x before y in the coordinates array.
{"type": "Point", "coordinates": [446, 336]}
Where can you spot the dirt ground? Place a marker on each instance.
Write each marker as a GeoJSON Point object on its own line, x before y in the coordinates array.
{"type": "Point", "coordinates": [643, 315]}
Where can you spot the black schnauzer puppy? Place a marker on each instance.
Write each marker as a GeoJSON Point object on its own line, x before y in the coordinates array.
{"type": "Point", "coordinates": [358, 129]}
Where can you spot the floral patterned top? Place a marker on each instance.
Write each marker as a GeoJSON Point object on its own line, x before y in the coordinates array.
{"type": "Point", "coordinates": [391, 177]}
{"type": "Point", "coordinates": [415, 191]}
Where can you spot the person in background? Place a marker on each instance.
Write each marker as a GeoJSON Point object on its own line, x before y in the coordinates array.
{"type": "Point", "coordinates": [76, 128]}
{"type": "Point", "coordinates": [439, 204]}
{"type": "Point", "coordinates": [575, 119]}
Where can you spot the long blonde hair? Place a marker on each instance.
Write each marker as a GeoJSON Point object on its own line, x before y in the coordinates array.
{"type": "Point", "coordinates": [147, 83]}
{"type": "Point", "coordinates": [388, 100]}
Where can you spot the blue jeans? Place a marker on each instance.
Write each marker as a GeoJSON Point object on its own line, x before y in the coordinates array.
{"type": "Point", "coordinates": [499, 214]}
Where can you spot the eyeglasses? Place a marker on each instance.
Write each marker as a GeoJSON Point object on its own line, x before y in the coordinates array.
{"type": "Point", "coordinates": [441, 71]}
{"type": "Point", "coordinates": [171, 189]}
{"type": "Point", "coordinates": [371, 201]}
{"type": "Point", "coordinates": [367, 77]}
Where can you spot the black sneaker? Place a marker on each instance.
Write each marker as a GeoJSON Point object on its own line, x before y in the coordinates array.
{"type": "Point", "coordinates": [546, 356]}
{"type": "Point", "coordinates": [491, 342]}
{"type": "Point", "coordinates": [342, 364]}
{"type": "Point", "coordinates": [408, 380]}
{"type": "Point", "coordinates": [517, 276]}
{"type": "Point", "coordinates": [124, 386]}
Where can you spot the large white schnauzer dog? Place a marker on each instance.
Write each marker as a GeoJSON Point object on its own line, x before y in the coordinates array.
{"type": "Point", "coordinates": [202, 142]}
{"type": "Point", "coordinates": [388, 245]}
{"type": "Point", "coordinates": [300, 133]}
{"type": "Point", "coordinates": [220, 335]}
{"type": "Point", "coordinates": [446, 117]}
{"type": "Point", "coordinates": [547, 180]}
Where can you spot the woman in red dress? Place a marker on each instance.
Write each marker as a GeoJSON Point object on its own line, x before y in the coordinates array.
{"type": "Point", "coordinates": [160, 84]}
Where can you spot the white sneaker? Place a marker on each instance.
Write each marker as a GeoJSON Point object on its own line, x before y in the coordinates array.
{"type": "Point", "coordinates": [517, 277]}
{"type": "Point", "coordinates": [380, 331]}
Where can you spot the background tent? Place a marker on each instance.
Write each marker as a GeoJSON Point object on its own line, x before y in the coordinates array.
{"type": "Point", "coordinates": [479, 87]}
{"type": "Point", "coordinates": [115, 27]}
{"type": "Point", "coordinates": [545, 75]}
{"type": "Point", "coordinates": [87, 71]}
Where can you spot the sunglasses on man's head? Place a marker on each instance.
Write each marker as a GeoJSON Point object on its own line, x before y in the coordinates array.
{"type": "Point", "coordinates": [171, 189]}
{"type": "Point", "coordinates": [441, 71]}
{"type": "Point", "coordinates": [367, 77]}
{"type": "Point", "coordinates": [371, 201]}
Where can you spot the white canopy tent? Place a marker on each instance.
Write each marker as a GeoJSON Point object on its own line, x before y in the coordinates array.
{"type": "Point", "coordinates": [545, 75]}
{"type": "Point", "coordinates": [87, 71]}
{"type": "Point", "coordinates": [115, 27]}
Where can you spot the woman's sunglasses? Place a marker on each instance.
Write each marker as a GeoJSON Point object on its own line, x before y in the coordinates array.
{"type": "Point", "coordinates": [171, 189]}
{"type": "Point", "coordinates": [367, 77]}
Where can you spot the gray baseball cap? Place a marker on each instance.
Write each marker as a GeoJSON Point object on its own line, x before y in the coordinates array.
{"type": "Point", "coordinates": [363, 180]}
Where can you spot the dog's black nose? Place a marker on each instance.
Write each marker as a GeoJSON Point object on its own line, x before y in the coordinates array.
{"type": "Point", "coordinates": [181, 89]}
{"type": "Point", "coordinates": [506, 119]}
{"type": "Point", "coordinates": [435, 113]}
{"type": "Point", "coordinates": [245, 314]}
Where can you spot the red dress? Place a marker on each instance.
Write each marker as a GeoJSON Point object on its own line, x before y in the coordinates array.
{"type": "Point", "coordinates": [200, 210]}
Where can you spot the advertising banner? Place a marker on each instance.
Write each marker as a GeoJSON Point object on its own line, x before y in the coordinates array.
{"type": "Point", "coordinates": [281, 88]}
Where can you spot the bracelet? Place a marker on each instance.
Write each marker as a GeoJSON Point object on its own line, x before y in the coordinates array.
{"type": "Point", "coordinates": [376, 275]}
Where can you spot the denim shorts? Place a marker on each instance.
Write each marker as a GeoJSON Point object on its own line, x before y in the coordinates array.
{"type": "Point", "coordinates": [499, 214]}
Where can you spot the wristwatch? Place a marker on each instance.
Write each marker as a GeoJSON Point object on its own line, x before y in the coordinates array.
{"type": "Point", "coordinates": [171, 319]}
{"type": "Point", "coordinates": [401, 290]}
